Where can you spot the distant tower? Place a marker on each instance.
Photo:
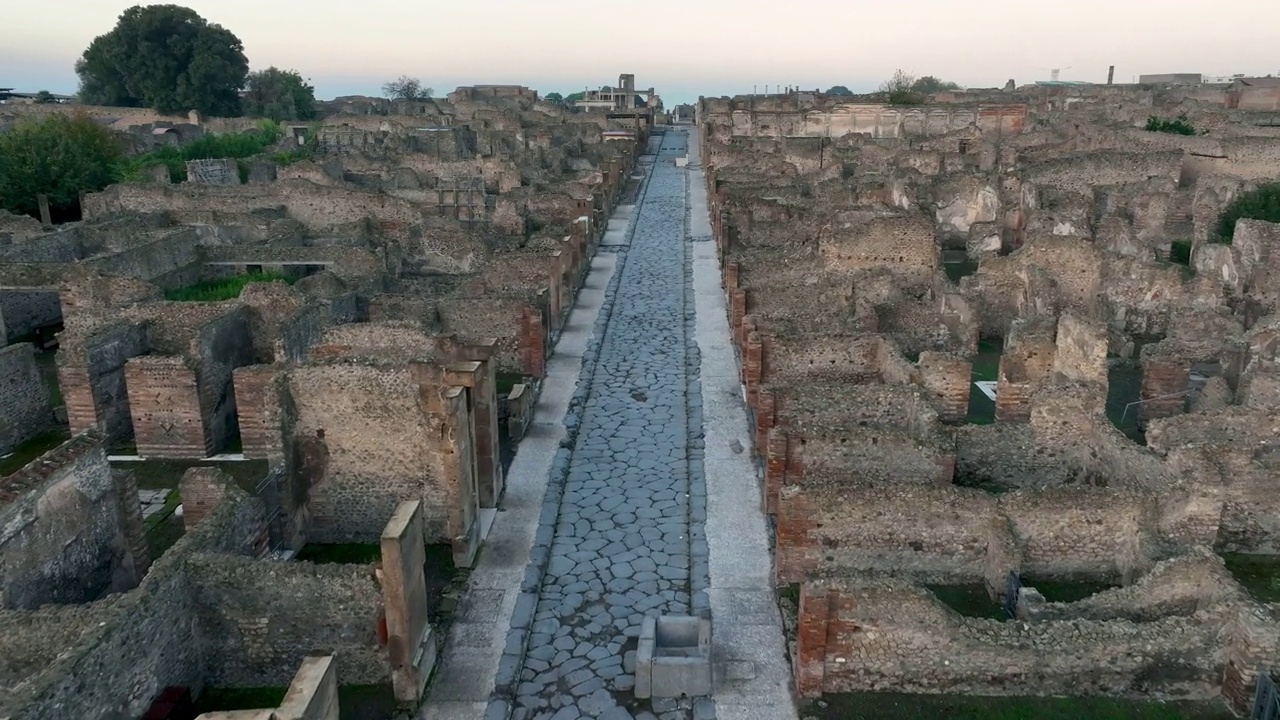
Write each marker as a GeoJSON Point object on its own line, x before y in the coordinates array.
{"type": "Point", "coordinates": [1054, 74]}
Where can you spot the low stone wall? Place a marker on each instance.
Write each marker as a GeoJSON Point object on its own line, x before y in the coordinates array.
{"type": "Point", "coordinates": [260, 619]}
{"type": "Point", "coordinates": [25, 411]}
{"type": "Point", "coordinates": [22, 311]}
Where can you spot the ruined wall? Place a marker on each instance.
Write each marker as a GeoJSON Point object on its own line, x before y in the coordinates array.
{"type": "Point", "coordinates": [22, 311]}
{"type": "Point", "coordinates": [222, 346]}
{"type": "Point", "coordinates": [866, 635]}
{"type": "Point", "coordinates": [519, 342]}
{"type": "Point", "coordinates": [25, 411]}
{"type": "Point", "coordinates": [146, 640]}
{"type": "Point", "coordinates": [62, 538]}
{"type": "Point", "coordinates": [260, 619]}
{"type": "Point", "coordinates": [904, 245]}
{"type": "Point", "coordinates": [780, 118]}
{"type": "Point", "coordinates": [91, 373]}
{"type": "Point", "coordinates": [382, 450]}
{"type": "Point", "coordinates": [171, 261]}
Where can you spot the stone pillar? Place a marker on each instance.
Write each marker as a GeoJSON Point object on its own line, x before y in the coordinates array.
{"type": "Point", "coordinates": [737, 311]}
{"type": "Point", "coordinates": [131, 521]}
{"type": "Point", "coordinates": [46, 220]}
{"type": "Point", "coordinates": [201, 490]}
{"type": "Point", "coordinates": [257, 394]}
{"type": "Point", "coordinates": [532, 342]}
{"type": "Point", "coordinates": [765, 420]}
{"type": "Point", "coordinates": [411, 648]}
{"type": "Point", "coordinates": [484, 411]}
{"type": "Point", "coordinates": [555, 290]}
{"type": "Point", "coordinates": [753, 362]}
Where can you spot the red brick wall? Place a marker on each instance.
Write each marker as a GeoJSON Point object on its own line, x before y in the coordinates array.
{"type": "Point", "coordinates": [164, 400]}
{"type": "Point", "coordinates": [1163, 376]}
{"type": "Point", "coordinates": [258, 405]}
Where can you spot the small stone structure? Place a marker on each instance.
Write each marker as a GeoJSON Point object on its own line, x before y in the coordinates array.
{"type": "Point", "coordinates": [673, 658]}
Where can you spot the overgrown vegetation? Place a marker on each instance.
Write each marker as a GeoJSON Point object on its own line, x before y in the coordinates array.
{"type": "Point", "coordinates": [1176, 126]}
{"type": "Point", "coordinates": [1259, 574]}
{"type": "Point", "coordinates": [907, 89]}
{"type": "Point", "coordinates": [1261, 203]}
{"type": "Point", "coordinates": [57, 156]}
{"type": "Point", "coordinates": [278, 95]}
{"type": "Point", "coordinates": [226, 289]}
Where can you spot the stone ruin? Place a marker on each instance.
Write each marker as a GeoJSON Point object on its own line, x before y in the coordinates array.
{"type": "Point", "coordinates": [971, 363]}
{"type": "Point", "coordinates": [368, 392]}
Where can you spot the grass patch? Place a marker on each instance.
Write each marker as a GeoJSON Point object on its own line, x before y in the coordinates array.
{"type": "Point", "coordinates": [32, 449]}
{"type": "Point", "coordinates": [901, 706]}
{"type": "Point", "coordinates": [225, 289]}
{"type": "Point", "coordinates": [1259, 574]}
{"type": "Point", "coordinates": [986, 366]}
{"type": "Point", "coordinates": [970, 600]}
{"type": "Point", "coordinates": [165, 474]}
{"type": "Point", "coordinates": [1067, 591]}
{"type": "Point", "coordinates": [164, 534]}
{"type": "Point", "coordinates": [341, 553]}
{"type": "Point", "coordinates": [790, 592]}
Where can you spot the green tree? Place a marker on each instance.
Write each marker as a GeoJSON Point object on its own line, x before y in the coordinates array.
{"type": "Point", "coordinates": [57, 156]}
{"type": "Point", "coordinates": [572, 98]}
{"type": "Point", "coordinates": [900, 89]}
{"type": "Point", "coordinates": [1261, 203]}
{"type": "Point", "coordinates": [1177, 126]}
{"type": "Point", "coordinates": [406, 88]}
{"type": "Point", "coordinates": [839, 90]}
{"type": "Point", "coordinates": [929, 85]}
{"type": "Point", "coordinates": [44, 97]}
{"type": "Point", "coordinates": [554, 97]}
{"type": "Point", "coordinates": [168, 58]}
{"type": "Point", "coordinates": [279, 95]}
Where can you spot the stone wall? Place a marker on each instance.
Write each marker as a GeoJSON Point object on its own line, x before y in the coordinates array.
{"type": "Point", "coordinates": [260, 619]}
{"type": "Point", "coordinates": [25, 409]}
{"type": "Point", "coordinates": [22, 311]}
{"type": "Point", "coordinates": [790, 117]}
{"type": "Point", "coordinates": [63, 535]}
{"type": "Point", "coordinates": [870, 634]}
{"type": "Point", "coordinates": [164, 402]}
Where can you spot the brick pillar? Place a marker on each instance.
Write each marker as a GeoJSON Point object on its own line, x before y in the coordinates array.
{"type": "Point", "coordinates": [754, 366]}
{"type": "Point", "coordinates": [731, 276]}
{"type": "Point", "coordinates": [765, 419]}
{"type": "Point", "coordinates": [259, 412]}
{"type": "Point", "coordinates": [532, 342]}
{"type": "Point", "coordinates": [77, 392]}
{"type": "Point", "coordinates": [201, 490]}
{"type": "Point", "coordinates": [811, 640]}
{"type": "Point", "coordinates": [1163, 377]}
{"type": "Point", "coordinates": [737, 311]}
{"type": "Point", "coordinates": [948, 378]}
{"type": "Point", "coordinates": [775, 468]}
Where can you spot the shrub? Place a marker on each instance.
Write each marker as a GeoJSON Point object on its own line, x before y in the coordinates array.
{"type": "Point", "coordinates": [57, 156]}
{"type": "Point", "coordinates": [1177, 126]}
{"type": "Point", "coordinates": [1261, 203]}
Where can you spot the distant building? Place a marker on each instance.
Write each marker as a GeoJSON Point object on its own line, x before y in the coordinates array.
{"type": "Point", "coordinates": [1171, 79]}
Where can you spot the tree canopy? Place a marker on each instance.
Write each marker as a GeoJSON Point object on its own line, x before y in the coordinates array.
{"type": "Point", "coordinates": [574, 97]}
{"type": "Point", "coordinates": [168, 58]}
{"type": "Point", "coordinates": [406, 88]}
{"type": "Point", "coordinates": [279, 95]}
{"type": "Point", "coordinates": [57, 156]}
{"type": "Point", "coordinates": [554, 97]}
{"type": "Point", "coordinates": [907, 89]}
{"type": "Point", "coordinates": [839, 90]}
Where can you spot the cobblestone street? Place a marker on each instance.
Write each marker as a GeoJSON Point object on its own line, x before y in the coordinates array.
{"type": "Point", "coordinates": [623, 546]}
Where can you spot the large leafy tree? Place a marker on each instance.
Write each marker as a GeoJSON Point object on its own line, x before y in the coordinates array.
{"type": "Point", "coordinates": [839, 90]}
{"type": "Point", "coordinates": [279, 95]}
{"type": "Point", "coordinates": [57, 156]}
{"type": "Point", "coordinates": [168, 58]}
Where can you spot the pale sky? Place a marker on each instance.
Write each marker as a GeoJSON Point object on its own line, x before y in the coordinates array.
{"type": "Point", "coordinates": [683, 49]}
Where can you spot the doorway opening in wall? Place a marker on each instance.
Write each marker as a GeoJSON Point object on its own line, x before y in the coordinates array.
{"type": "Point", "coordinates": [986, 371]}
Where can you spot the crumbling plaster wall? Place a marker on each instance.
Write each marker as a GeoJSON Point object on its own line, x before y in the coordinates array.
{"type": "Point", "coordinates": [25, 409]}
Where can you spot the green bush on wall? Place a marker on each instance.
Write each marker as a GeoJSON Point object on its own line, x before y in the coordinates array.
{"type": "Point", "coordinates": [1261, 203]}
{"type": "Point", "coordinates": [1177, 126]}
